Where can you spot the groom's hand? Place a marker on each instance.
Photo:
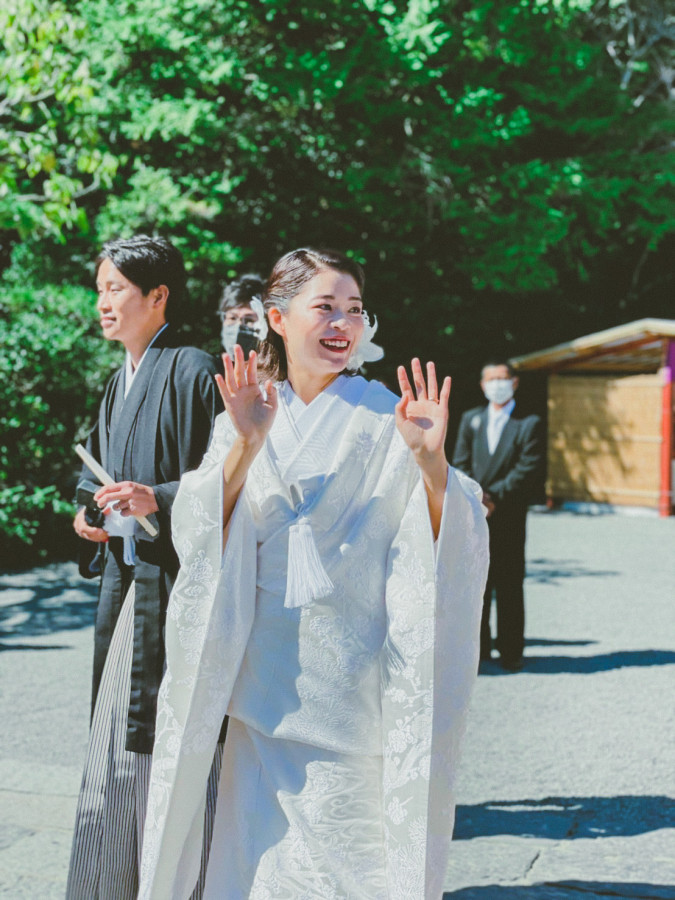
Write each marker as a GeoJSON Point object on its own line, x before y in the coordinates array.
{"type": "Point", "coordinates": [89, 532]}
{"type": "Point", "coordinates": [130, 498]}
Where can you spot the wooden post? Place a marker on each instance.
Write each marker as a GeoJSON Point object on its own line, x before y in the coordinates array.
{"type": "Point", "coordinates": [666, 496]}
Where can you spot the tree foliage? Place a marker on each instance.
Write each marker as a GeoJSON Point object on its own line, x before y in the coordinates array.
{"type": "Point", "coordinates": [638, 35]}
{"type": "Point", "coordinates": [53, 367]}
{"type": "Point", "coordinates": [50, 158]}
{"type": "Point", "coordinates": [502, 169]}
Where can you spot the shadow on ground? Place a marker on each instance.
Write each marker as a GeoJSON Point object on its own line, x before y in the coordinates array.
{"type": "Point", "coordinates": [565, 890]}
{"type": "Point", "coordinates": [558, 642]}
{"type": "Point", "coordinates": [565, 818]}
{"type": "Point", "coordinates": [585, 665]}
{"type": "Point", "coordinates": [44, 602]}
{"type": "Point", "coordinates": [552, 571]}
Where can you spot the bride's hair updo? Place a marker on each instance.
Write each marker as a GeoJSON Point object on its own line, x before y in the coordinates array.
{"type": "Point", "coordinates": [289, 275]}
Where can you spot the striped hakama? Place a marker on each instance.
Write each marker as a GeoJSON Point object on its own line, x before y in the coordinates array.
{"type": "Point", "coordinates": [106, 852]}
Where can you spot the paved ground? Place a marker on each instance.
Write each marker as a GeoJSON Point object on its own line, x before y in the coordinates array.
{"type": "Point", "coordinates": [568, 783]}
{"type": "Point", "coordinates": [567, 789]}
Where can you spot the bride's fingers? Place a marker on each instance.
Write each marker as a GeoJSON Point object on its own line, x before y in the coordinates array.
{"type": "Point", "coordinates": [418, 378]}
{"type": "Point", "coordinates": [252, 368]}
{"type": "Point", "coordinates": [222, 387]}
{"type": "Point", "coordinates": [404, 384]}
{"type": "Point", "coordinates": [230, 378]}
{"type": "Point", "coordinates": [271, 392]}
{"type": "Point", "coordinates": [444, 399]}
{"type": "Point", "coordinates": [239, 366]}
{"type": "Point", "coordinates": [402, 405]}
{"type": "Point", "coordinates": [432, 382]}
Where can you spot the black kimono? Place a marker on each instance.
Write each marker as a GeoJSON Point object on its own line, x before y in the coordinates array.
{"type": "Point", "coordinates": [160, 431]}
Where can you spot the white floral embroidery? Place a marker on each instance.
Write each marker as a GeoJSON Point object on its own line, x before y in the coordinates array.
{"type": "Point", "coordinates": [396, 811]}
{"type": "Point", "coordinates": [205, 522]}
{"type": "Point", "coordinates": [372, 681]}
{"type": "Point", "coordinates": [364, 444]}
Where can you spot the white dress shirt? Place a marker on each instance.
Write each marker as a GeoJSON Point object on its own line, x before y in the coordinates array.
{"type": "Point", "coordinates": [497, 419]}
{"type": "Point", "coordinates": [129, 370]}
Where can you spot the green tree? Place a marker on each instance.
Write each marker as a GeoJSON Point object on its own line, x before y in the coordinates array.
{"type": "Point", "coordinates": [50, 158]}
{"type": "Point", "coordinates": [502, 169]}
{"type": "Point", "coordinates": [472, 154]}
{"type": "Point", "coordinates": [53, 367]}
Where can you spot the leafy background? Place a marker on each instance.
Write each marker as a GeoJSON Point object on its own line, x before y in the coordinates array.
{"type": "Point", "coordinates": [503, 170]}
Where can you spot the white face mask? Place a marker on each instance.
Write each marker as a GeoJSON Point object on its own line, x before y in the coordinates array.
{"type": "Point", "coordinates": [499, 390]}
{"type": "Point", "coordinates": [228, 336]}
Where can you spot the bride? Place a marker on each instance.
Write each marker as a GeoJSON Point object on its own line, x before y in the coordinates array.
{"type": "Point", "coordinates": [329, 601]}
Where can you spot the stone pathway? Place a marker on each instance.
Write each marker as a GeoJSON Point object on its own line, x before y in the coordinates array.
{"type": "Point", "coordinates": [46, 647]}
{"type": "Point", "coordinates": [567, 787]}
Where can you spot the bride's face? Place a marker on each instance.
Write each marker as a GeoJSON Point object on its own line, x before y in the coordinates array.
{"type": "Point", "coordinates": [323, 323]}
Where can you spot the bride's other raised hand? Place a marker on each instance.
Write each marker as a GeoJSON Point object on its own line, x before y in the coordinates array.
{"type": "Point", "coordinates": [422, 419]}
{"type": "Point", "coordinates": [422, 414]}
{"type": "Point", "coordinates": [250, 411]}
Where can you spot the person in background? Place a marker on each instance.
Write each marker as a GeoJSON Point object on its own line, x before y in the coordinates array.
{"type": "Point", "coordinates": [155, 422]}
{"type": "Point", "coordinates": [502, 451]}
{"type": "Point", "coordinates": [242, 314]}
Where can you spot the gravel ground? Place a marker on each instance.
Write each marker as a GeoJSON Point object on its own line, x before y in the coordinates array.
{"type": "Point", "coordinates": [567, 786]}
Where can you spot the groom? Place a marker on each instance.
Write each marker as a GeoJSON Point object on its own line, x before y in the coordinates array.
{"type": "Point", "coordinates": [154, 424]}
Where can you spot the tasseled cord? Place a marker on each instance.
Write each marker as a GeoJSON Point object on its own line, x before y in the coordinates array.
{"type": "Point", "coordinates": [307, 579]}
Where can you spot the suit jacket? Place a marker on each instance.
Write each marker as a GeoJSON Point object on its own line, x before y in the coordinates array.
{"type": "Point", "coordinates": [510, 474]}
{"type": "Point", "coordinates": [161, 430]}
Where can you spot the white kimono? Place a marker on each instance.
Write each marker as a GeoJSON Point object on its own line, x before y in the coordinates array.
{"type": "Point", "coordinates": [342, 643]}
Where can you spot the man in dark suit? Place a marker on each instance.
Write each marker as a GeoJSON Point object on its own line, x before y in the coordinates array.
{"type": "Point", "coordinates": [502, 451]}
{"type": "Point", "coordinates": [154, 424]}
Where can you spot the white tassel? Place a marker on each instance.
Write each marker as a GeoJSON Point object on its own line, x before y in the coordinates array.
{"type": "Point", "coordinates": [307, 579]}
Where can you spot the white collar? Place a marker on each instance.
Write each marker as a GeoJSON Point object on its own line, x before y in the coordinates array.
{"type": "Point", "coordinates": [293, 400]}
{"type": "Point", "coordinates": [504, 411]}
{"type": "Point", "coordinates": [129, 372]}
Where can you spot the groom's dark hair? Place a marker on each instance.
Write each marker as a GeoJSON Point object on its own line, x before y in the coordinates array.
{"type": "Point", "coordinates": [148, 262]}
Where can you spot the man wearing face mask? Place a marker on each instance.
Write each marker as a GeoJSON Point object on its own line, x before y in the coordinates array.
{"type": "Point", "coordinates": [502, 451]}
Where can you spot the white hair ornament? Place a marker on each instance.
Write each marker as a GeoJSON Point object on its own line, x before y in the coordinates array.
{"type": "Point", "coordinates": [366, 351]}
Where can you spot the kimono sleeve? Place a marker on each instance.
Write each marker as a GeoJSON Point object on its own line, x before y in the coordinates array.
{"type": "Point", "coordinates": [433, 602]}
{"type": "Point", "coordinates": [89, 554]}
{"type": "Point", "coordinates": [209, 618]}
{"type": "Point", "coordinates": [196, 402]}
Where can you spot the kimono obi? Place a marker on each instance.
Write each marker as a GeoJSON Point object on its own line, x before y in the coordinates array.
{"type": "Point", "coordinates": [312, 676]}
{"type": "Point", "coordinates": [299, 661]}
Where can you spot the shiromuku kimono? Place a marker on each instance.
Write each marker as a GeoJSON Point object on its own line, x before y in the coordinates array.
{"type": "Point", "coordinates": [342, 642]}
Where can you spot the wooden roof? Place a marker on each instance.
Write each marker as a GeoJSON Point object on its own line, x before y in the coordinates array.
{"type": "Point", "coordinates": [635, 347]}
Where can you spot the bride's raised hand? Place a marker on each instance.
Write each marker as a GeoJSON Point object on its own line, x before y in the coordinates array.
{"type": "Point", "coordinates": [422, 415]}
{"type": "Point", "coordinates": [250, 412]}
